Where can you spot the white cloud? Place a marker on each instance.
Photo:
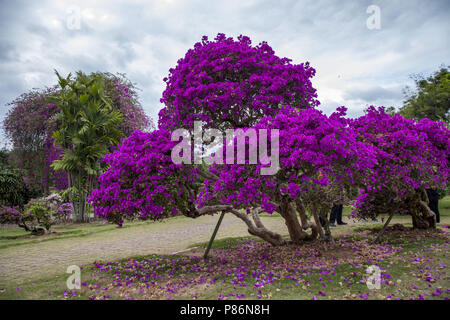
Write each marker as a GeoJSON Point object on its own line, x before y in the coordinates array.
{"type": "Point", "coordinates": [355, 66]}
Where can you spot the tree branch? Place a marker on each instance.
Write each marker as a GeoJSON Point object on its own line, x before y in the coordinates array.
{"type": "Point", "coordinates": [208, 175]}
{"type": "Point", "coordinates": [273, 238]}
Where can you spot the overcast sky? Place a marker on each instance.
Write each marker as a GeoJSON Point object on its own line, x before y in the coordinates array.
{"type": "Point", "coordinates": [356, 66]}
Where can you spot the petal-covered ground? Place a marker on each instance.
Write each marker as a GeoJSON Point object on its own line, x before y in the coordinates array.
{"type": "Point", "coordinates": [412, 264]}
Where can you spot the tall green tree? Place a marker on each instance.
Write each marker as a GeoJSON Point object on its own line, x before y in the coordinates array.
{"type": "Point", "coordinates": [431, 99]}
{"type": "Point", "coordinates": [13, 191]}
{"type": "Point", "coordinates": [89, 125]}
{"type": "Point", "coordinates": [4, 155]}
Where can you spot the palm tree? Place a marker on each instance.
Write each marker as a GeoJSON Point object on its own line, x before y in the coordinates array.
{"type": "Point", "coordinates": [89, 125]}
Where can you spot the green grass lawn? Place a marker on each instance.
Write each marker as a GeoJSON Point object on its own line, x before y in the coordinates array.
{"type": "Point", "coordinates": [12, 236]}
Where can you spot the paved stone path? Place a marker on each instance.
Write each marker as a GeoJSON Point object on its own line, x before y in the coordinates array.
{"type": "Point", "coordinates": [38, 260]}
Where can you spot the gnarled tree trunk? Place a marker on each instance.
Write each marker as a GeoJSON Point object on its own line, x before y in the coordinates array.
{"type": "Point", "coordinates": [422, 216]}
{"type": "Point", "coordinates": [289, 214]}
{"type": "Point", "coordinates": [256, 228]}
{"type": "Point", "coordinates": [315, 228]}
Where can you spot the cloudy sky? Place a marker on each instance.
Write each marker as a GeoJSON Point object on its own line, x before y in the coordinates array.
{"type": "Point", "coordinates": [356, 65]}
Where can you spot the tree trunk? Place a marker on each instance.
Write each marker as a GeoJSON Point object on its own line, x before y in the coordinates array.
{"type": "Point", "coordinates": [258, 229]}
{"type": "Point", "coordinates": [317, 221]}
{"type": "Point", "coordinates": [288, 212]}
{"type": "Point", "coordinates": [304, 220]}
{"type": "Point", "coordinates": [328, 235]}
{"type": "Point", "coordinates": [76, 214]}
{"type": "Point", "coordinates": [40, 230]}
{"type": "Point", "coordinates": [424, 217]}
{"type": "Point", "coordinates": [420, 222]}
{"type": "Point", "coordinates": [23, 225]}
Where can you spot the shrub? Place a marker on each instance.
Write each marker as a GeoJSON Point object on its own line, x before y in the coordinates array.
{"type": "Point", "coordinates": [38, 215]}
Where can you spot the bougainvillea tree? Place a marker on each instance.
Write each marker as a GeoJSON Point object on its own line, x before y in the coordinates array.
{"type": "Point", "coordinates": [30, 124]}
{"type": "Point", "coordinates": [230, 84]}
{"type": "Point", "coordinates": [124, 96]}
{"type": "Point", "coordinates": [410, 157]}
{"type": "Point", "coordinates": [268, 103]}
{"type": "Point", "coordinates": [321, 163]}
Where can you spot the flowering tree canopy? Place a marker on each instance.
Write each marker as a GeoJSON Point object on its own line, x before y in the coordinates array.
{"type": "Point", "coordinates": [142, 181]}
{"type": "Point", "coordinates": [29, 125]}
{"type": "Point", "coordinates": [230, 83]}
{"type": "Point", "coordinates": [410, 157]}
{"type": "Point", "coordinates": [316, 160]}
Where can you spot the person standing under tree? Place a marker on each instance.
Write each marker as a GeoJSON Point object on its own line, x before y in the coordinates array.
{"type": "Point", "coordinates": [433, 202]}
{"type": "Point", "coordinates": [336, 215]}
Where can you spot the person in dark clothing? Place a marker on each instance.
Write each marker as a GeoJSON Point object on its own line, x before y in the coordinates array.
{"type": "Point", "coordinates": [433, 198]}
{"type": "Point", "coordinates": [336, 215]}
{"type": "Point", "coordinates": [322, 221]}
